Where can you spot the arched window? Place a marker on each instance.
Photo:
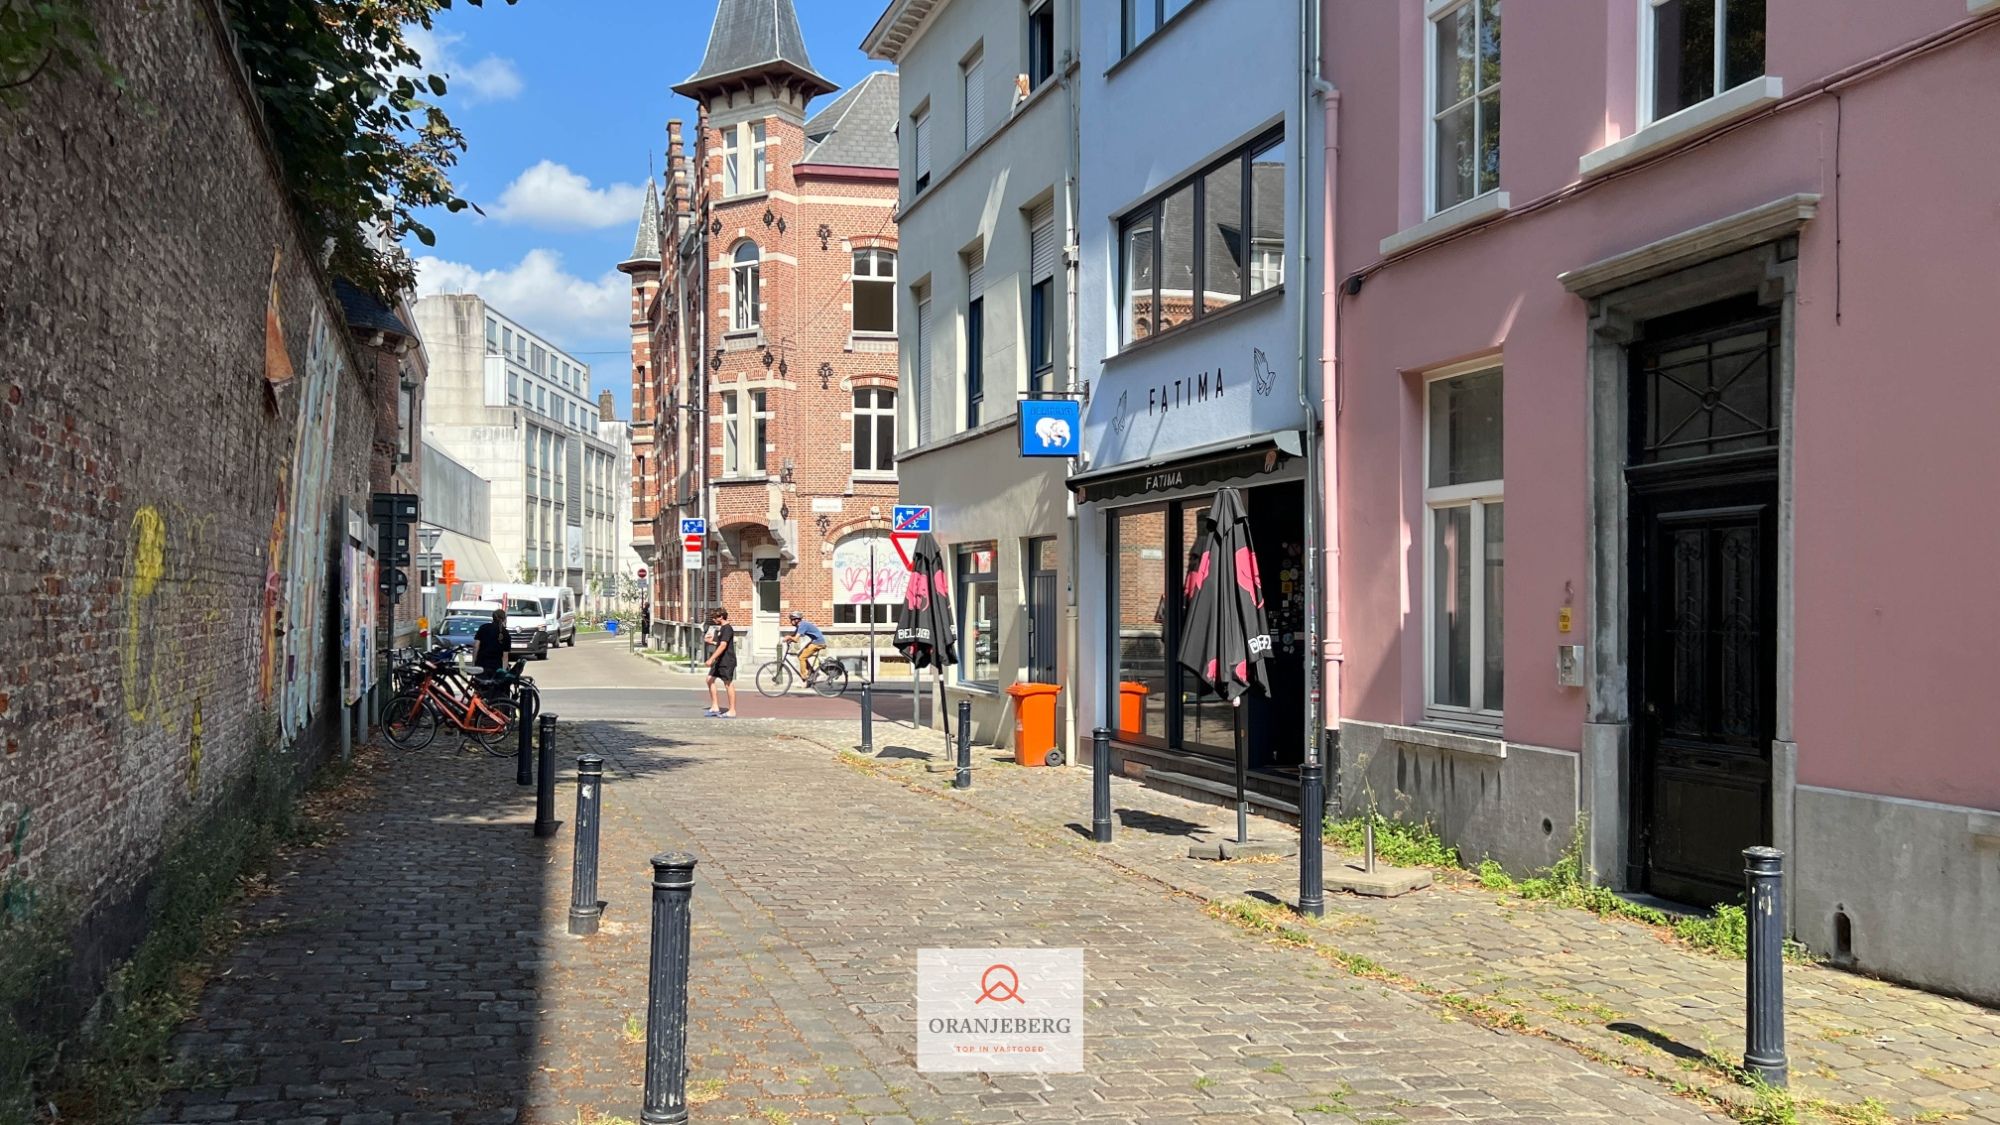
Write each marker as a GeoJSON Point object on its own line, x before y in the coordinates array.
{"type": "Point", "coordinates": [744, 281]}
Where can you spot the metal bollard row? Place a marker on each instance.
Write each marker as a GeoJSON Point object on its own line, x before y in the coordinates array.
{"type": "Point", "coordinates": [667, 992]}
{"type": "Point", "coordinates": [584, 909]}
{"type": "Point", "coordinates": [545, 788]}
{"type": "Point", "coordinates": [1100, 785]}
{"type": "Point", "coordinates": [963, 778]}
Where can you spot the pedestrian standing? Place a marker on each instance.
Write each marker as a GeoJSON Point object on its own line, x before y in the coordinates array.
{"type": "Point", "coordinates": [491, 644]}
{"type": "Point", "coordinates": [721, 666]}
{"type": "Point", "coordinates": [646, 621]}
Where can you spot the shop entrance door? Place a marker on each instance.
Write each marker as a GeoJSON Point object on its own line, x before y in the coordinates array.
{"type": "Point", "coordinates": [1044, 620]}
{"type": "Point", "coordinates": [1277, 723]}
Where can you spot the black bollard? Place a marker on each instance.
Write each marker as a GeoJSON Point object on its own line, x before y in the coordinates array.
{"type": "Point", "coordinates": [1764, 968]}
{"type": "Point", "coordinates": [1312, 859]}
{"type": "Point", "coordinates": [1100, 785]}
{"type": "Point", "coordinates": [524, 752]}
{"type": "Point", "coordinates": [545, 786]}
{"type": "Point", "coordinates": [867, 718]}
{"type": "Point", "coordinates": [667, 992]}
{"type": "Point", "coordinates": [963, 778]}
{"type": "Point", "coordinates": [583, 907]}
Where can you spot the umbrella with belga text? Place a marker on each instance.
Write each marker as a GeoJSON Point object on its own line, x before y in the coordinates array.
{"type": "Point", "coordinates": [1225, 640]}
{"type": "Point", "coordinates": [925, 633]}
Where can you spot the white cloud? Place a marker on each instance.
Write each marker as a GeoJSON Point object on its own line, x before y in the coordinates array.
{"type": "Point", "coordinates": [543, 296]}
{"type": "Point", "coordinates": [490, 79]}
{"type": "Point", "coordinates": [550, 195]}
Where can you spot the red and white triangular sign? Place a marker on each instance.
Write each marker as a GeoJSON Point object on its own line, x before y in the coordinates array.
{"type": "Point", "coordinates": [899, 538]}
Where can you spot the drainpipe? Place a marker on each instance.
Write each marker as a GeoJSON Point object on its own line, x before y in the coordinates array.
{"type": "Point", "coordinates": [1311, 86]}
{"type": "Point", "coordinates": [1069, 658]}
{"type": "Point", "coordinates": [1329, 586]}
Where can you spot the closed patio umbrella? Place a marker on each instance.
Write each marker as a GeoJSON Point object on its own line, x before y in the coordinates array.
{"type": "Point", "coordinates": [1225, 640]}
{"type": "Point", "coordinates": [926, 633]}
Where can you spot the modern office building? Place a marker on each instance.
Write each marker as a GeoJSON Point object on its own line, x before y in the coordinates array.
{"type": "Point", "coordinates": [516, 410]}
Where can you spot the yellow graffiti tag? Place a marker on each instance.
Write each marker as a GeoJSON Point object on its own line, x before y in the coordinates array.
{"type": "Point", "coordinates": [145, 564]}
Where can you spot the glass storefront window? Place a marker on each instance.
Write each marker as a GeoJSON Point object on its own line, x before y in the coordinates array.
{"type": "Point", "coordinates": [979, 615]}
{"type": "Point", "coordinates": [1140, 612]}
{"type": "Point", "coordinates": [1208, 722]}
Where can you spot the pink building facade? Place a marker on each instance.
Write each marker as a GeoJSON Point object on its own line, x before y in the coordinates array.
{"type": "Point", "coordinates": [1660, 427]}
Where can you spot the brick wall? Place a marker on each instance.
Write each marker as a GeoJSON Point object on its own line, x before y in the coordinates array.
{"type": "Point", "coordinates": [166, 525]}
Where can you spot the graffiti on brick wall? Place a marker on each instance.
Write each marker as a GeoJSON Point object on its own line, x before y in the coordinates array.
{"type": "Point", "coordinates": [302, 611]}
{"type": "Point", "coordinates": [272, 654]}
{"type": "Point", "coordinates": [172, 615]}
{"type": "Point", "coordinates": [862, 577]}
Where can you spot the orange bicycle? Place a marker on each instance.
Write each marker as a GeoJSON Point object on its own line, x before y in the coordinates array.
{"type": "Point", "coordinates": [412, 718]}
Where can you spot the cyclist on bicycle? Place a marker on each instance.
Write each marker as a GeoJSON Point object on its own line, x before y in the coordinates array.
{"type": "Point", "coordinates": [814, 641]}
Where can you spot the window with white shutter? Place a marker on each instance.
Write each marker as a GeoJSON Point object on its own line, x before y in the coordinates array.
{"type": "Point", "coordinates": [921, 127]}
{"type": "Point", "coordinates": [1042, 256]}
{"type": "Point", "coordinates": [1042, 240]}
{"type": "Point", "coordinates": [975, 98]}
{"type": "Point", "coordinates": [923, 402]}
{"type": "Point", "coordinates": [975, 337]}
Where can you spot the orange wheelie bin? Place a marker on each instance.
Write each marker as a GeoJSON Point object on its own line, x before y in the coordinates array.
{"type": "Point", "coordinates": [1035, 724]}
{"type": "Point", "coordinates": [1132, 707]}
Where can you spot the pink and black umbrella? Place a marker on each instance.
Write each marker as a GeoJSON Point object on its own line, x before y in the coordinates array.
{"type": "Point", "coordinates": [1225, 640]}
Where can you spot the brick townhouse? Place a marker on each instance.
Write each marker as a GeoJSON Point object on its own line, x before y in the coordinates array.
{"type": "Point", "coordinates": [764, 344]}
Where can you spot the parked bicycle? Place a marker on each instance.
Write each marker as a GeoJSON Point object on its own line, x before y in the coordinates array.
{"type": "Point", "coordinates": [829, 675]}
{"type": "Point", "coordinates": [484, 709]}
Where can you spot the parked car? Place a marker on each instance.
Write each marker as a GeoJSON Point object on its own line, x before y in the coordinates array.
{"type": "Point", "coordinates": [524, 624]}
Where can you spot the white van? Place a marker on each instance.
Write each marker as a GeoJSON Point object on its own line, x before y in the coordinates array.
{"type": "Point", "coordinates": [539, 618]}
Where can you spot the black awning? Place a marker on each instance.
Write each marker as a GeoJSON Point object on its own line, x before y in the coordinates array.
{"type": "Point", "coordinates": [1190, 468]}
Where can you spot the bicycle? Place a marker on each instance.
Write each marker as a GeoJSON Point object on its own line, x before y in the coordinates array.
{"type": "Point", "coordinates": [776, 678]}
{"type": "Point", "coordinates": [441, 697]}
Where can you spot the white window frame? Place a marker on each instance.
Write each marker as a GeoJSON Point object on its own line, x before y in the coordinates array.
{"type": "Point", "coordinates": [972, 88]}
{"type": "Point", "coordinates": [1649, 50]}
{"type": "Point", "coordinates": [868, 422]}
{"type": "Point", "coordinates": [732, 431]}
{"type": "Point", "coordinates": [745, 138]}
{"type": "Point", "coordinates": [744, 298]}
{"type": "Point", "coordinates": [921, 404]}
{"type": "Point", "coordinates": [877, 256]}
{"type": "Point", "coordinates": [1475, 495]}
{"type": "Point", "coordinates": [1434, 11]}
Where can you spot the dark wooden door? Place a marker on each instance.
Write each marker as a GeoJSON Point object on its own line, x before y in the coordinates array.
{"type": "Point", "coordinates": [1708, 626]}
{"type": "Point", "coordinates": [1704, 551]}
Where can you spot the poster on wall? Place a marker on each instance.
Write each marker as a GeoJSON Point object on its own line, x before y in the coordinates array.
{"type": "Point", "coordinates": [302, 612]}
{"type": "Point", "coordinates": [860, 580]}
{"type": "Point", "coordinates": [573, 549]}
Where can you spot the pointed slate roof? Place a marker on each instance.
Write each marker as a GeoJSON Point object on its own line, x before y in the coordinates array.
{"type": "Point", "coordinates": [646, 247]}
{"type": "Point", "coordinates": [751, 37]}
{"type": "Point", "coordinates": [858, 130]}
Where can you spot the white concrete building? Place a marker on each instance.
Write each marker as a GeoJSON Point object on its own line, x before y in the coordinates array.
{"type": "Point", "coordinates": [516, 410]}
{"type": "Point", "coordinates": [621, 589]}
{"type": "Point", "coordinates": [988, 179]}
{"type": "Point", "coordinates": [1197, 318]}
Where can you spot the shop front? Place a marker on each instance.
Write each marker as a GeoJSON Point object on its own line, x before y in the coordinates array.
{"type": "Point", "coordinates": [1152, 518]}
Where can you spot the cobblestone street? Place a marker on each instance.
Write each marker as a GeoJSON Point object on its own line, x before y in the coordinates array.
{"type": "Point", "coordinates": [415, 970]}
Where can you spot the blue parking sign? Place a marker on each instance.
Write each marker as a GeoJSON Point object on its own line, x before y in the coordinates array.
{"type": "Point", "coordinates": [1051, 427]}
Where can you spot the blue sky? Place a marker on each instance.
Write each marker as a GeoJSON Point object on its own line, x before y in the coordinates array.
{"type": "Point", "coordinates": [562, 102]}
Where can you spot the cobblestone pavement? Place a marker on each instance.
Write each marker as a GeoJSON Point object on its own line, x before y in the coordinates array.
{"type": "Point", "coordinates": [1609, 987]}
{"type": "Point", "coordinates": [415, 972]}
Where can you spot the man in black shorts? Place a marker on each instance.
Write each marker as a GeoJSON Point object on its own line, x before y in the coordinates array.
{"type": "Point", "coordinates": [721, 665]}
